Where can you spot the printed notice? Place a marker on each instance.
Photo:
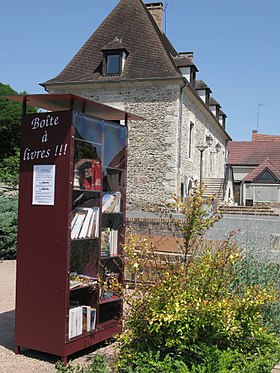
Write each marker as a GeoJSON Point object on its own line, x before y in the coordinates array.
{"type": "Point", "coordinates": [43, 185]}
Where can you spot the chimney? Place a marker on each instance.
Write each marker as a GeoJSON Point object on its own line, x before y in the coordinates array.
{"type": "Point", "coordinates": [254, 134]}
{"type": "Point", "coordinates": [156, 10]}
{"type": "Point", "coordinates": [189, 55]}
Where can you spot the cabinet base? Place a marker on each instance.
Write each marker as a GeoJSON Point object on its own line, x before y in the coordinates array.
{"type": "Point", "coordinates": [103, 333]}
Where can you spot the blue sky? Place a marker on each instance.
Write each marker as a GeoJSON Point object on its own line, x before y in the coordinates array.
{"type": "Point", "coordinates": [235, 44]}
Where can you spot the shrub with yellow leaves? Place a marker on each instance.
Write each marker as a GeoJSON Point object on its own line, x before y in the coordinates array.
{"type": "Point", "coordinates": [196, 306]}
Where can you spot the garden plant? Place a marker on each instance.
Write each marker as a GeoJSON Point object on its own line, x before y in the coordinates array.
{"type": "Point", "coordinates": [211, 308]}
{"type": "Point", "coordinates": [202, 311]}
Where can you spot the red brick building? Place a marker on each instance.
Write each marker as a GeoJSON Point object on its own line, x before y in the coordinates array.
{"type": "Point", "coordinates": [256, 169]}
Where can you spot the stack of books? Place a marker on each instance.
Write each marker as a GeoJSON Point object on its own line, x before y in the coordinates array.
{"type": "Point", "coordinates": [85, 223]}
{"type": "Point", "coordinates": [82, 319]}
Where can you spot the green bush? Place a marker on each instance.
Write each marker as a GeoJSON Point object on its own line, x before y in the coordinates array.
{"type": "Point", "coordinates": [8, 227]}
{"type": "Point", "coordinates": [153, 363]}
{"type": "Point", "coordinates": [9, 170]}
{"type": "Point", "coordinates": [203, 310]}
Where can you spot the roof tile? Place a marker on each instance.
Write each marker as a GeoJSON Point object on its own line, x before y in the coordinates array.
{"type": "Point", "coordinates": [253, 153]}
{"type": "Point", "coordinates": [151, 53]}
{"type": "Point", "coordinates": [261, 137]}
{"type": "Point", "coordinates": [267, 164]}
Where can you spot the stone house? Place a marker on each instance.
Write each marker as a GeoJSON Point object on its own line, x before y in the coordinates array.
{"type": "Point", "coordinates": [255, 167]}
{"type": "Point", "coordinates": [130, 64]}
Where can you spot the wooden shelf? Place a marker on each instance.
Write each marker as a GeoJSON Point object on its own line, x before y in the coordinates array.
{"type": "Point", "coordinates": [50, 315]}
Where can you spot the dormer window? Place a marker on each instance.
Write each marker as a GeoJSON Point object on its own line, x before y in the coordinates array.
{"type": "Point", "coordinates": [222, 119]}
{"type": "Point", "coordinates": [214, 106]}
{"type": "Point", "coordinates": [203, 91]}
{"type": "Point", "coordinates": [189, 73]}
{"type": "Point", "coordinates": [184, 61]}
{"type": "Point", "coordinates": [113, 63]}
{"type": "Point", "coordinates": [114, 55]}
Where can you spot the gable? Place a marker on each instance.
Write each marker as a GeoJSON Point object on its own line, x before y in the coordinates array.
{"type": "Point", "coordinates": [267, 176]}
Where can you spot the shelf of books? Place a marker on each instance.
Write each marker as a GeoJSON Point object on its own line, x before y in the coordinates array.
{"type": "Point", "coordinates": [72, 189]}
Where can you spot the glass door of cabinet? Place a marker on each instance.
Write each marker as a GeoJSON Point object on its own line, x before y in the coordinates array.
{"type": "Point", "coordinates": [85, 228]}
{"type": "Point", "coordinates": [113, 216]}
{"type": "Point", "coordinates": [99, 178]}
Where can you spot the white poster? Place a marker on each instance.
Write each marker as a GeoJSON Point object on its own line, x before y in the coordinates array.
{"type": "Point", "coordinates": [43, 185]}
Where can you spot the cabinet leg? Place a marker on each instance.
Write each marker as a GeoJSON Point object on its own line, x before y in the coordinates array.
{"type": "Point", "coordinates": [64, 360]}
{"type": "Point", "coordinates": [17, 349]}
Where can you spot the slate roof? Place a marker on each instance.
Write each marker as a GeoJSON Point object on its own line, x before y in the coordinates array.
{"type": "Point", "coordinates": [184, 61]}
{"type": "Point", "coordinates": [116, 44]}
{"type": "Point", "coordinates": [265, 165]}
{"type": "Point", "coordinates": [200, 84]}
{"type": "Point", "coordinates": [213, 102]}
{"type": "Point", "coordinates": [151, 55]}
{"type": "Point", "coordinates": [222, 113]}
{"type": "Point", "coordinates": [253, 153]}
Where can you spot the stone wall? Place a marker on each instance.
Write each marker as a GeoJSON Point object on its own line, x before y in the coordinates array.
{"type": "Point", "coordinates": [155, 173]}
{"type": "Point", "coordinates": [204, 124]}
{"type": "Point", "coordinates": [153, 143]}
{"type": "Point", "coordinates": [159, 231]}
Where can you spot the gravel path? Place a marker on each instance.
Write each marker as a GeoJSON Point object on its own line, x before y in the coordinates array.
{"type": "Point", "coordinates": [28, 361]}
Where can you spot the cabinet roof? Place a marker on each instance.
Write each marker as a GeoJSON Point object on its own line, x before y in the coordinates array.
{"type": "Point", "coordinates": [60, 102]}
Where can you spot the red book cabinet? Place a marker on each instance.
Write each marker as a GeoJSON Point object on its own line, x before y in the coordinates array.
{"type": "Point", "coordinates": [71, 223]}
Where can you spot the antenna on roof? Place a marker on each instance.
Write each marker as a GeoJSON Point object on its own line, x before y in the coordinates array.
{"type": "Point", "coordinates": [165, 15]}
{"type": "Point", "coordinates": [258, 116]}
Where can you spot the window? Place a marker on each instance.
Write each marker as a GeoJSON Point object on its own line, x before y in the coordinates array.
{"type": "Point", "coordinates": [113, 63]}
{"type": "Point", "coordinates": [266, 177]}
{"type": "Point", "coordinates": [182, 192]}
{"type": "Point", "coordinates": [114, 56]}
{"type": "Point", "coordinates": [191, 139]}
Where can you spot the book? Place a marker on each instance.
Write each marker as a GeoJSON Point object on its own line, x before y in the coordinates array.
{"type": "Point", "coordinates": [85, 223]}
{"type": "Point", "coordinates": [109, 242]}
{"type": "Point", "coordinates": [75, 321]}
{"type": "Point", "coordinates": [114, 242]}
{"type": "Point", "coordinates": [86, 318]}
{"type": "Point", "coordinates": [105, 242]}
{"type": "Point", "coordinates": [72, 325]}
{"type": "Point", "coordinates": [75, 284]}
{"type": "Point", "coordinates": [73, 222]}
{"type": "Point", "coordinates": [97, 222]}
{"type": "Point", "coordinates": [79, 320]}
{"type": "Point", "coordinates": [111, 202]}
{"type": "Point", "coordinates": [92, 318]}
{"type": "Point", "coordinates": [78, 281]}
{"type": "Point", "coordinates": [88, 218]}
{"type": "Point", "coordinates": [78, 223]}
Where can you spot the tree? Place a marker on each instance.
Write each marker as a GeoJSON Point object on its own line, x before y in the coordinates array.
{"type": "Point", "coordinates": [10, 121]}
{"type": "Point", "coordinates": [8, 227]}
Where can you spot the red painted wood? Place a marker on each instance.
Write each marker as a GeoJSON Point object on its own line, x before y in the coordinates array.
{"type": "Point", "coordinates": [43, 253]}
{"type": "Point", "coordinates": [43, 239]}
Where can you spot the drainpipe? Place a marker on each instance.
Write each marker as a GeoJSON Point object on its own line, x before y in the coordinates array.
{"type": "Point", "coordinates": [242, 194]}
{"type": "Point", "coordinates": [180, 124]}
